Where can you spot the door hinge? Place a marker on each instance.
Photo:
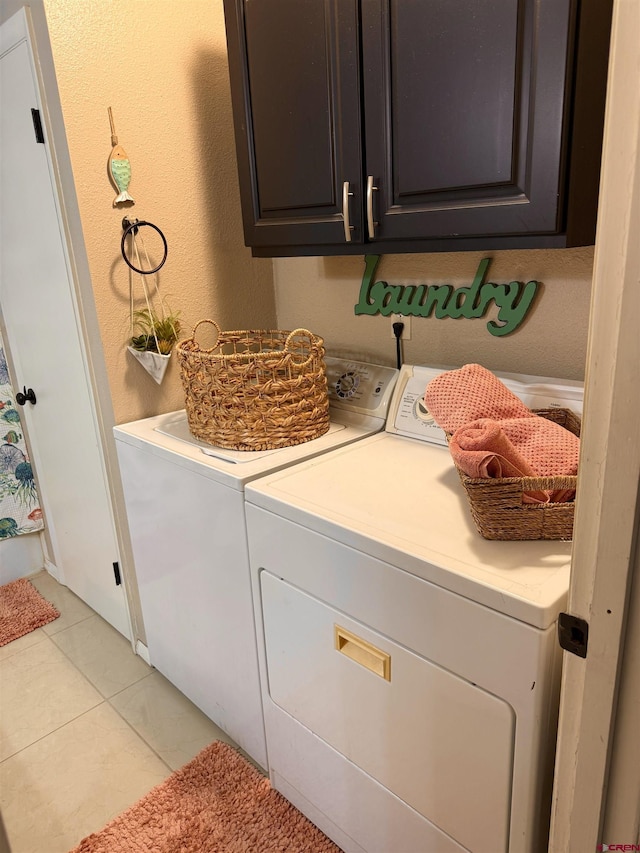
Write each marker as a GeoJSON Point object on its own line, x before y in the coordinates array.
{"type": "Point", "coordinates": [573, 634]}
{"type": "Point", "coordinates": [116, 572]}
{"type": "Point", "coordinates": [37, 125]}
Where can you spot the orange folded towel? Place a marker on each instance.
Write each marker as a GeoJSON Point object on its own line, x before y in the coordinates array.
{"type": "Point", "coordinates": [495, 435]}
{"type": "Point", "coordinates": [549, 448]}
{"type": "Point", "coordinates": [483, 448]}
{"type": "Point", "coordinates": [457, 397]}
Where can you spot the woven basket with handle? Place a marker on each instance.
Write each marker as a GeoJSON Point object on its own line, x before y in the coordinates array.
{"type": "Point", "coordinates": [255, 389]}
{"type": "Point", "coordinates": [497, 504]}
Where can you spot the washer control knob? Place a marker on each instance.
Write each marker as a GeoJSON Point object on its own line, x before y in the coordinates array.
{"type": "Point", "coordinates": [347, 384]}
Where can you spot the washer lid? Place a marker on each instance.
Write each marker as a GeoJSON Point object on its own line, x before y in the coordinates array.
{"type": "Point", "coordinates": [150, 435]}
{"type": "Point", "coordinates": [359, 412]}
{"type": "Point", "coordinates": [177, 426]}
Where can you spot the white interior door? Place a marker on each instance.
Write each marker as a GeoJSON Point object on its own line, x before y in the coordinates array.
{"type": "Point", "coordinates": [45, 340]}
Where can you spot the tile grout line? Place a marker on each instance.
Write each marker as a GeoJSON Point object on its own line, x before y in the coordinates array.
{"type": "Point", "coordinates": [53, 731]}
{"type": "Point", "coordinates": [62, 630]}
{"type": "Point", "coordinates": [107, 699]}
{"type": "Point", "coordinates": [164, 770]}
{"type": "Point", "coordinates": [137, 733]}
{"type": "Point", "coordinates": [103, 699]}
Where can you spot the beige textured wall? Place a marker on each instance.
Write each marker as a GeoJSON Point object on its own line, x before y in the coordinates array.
{"type": "Point", "coordinates": [320, 293]}
{"type": "Point", "coordinates": [161, 66]}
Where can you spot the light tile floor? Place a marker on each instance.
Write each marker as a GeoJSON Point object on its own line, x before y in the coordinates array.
{"type": "Point", "coordinates": [86, 727]}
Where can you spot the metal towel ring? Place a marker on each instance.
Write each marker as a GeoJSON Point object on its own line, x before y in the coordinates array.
{"type": "Point", "coordinates": [133, 227]}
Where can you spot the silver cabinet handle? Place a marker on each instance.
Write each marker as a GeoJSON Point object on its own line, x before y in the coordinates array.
{"type": "Point", "coordinates": [371, 225]}
{"type": "Point", "coordinates": [345, 211]}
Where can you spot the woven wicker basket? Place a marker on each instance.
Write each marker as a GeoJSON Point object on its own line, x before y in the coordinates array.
{"type": "Point", "coordinates": [255, 389]}
{"type": "Point", "coordinates": [497, 507]}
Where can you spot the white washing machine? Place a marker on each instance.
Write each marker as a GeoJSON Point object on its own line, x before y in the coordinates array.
{"type": "Point", "coordinates": [185, 508]}
{"type": "Point", "coordinates": [410, 668]}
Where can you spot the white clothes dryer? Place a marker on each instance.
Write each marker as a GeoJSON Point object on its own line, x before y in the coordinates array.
{"type": "Point", "coordinates": [185, 508]}
{"type": "Point", "coordinates": [410, 668]}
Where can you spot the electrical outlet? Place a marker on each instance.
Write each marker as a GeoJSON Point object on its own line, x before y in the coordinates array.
{"type": "Point", "coordinates": [400, 318]}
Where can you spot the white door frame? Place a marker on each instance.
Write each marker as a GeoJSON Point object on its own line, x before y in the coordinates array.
{"type": "Point", "coordinates": [606, 523]}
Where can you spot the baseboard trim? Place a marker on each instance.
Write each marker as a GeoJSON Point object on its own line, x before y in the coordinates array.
{"type": "Point", "coordinates": [142, 651]}
{"type": "Point", "coordinates": [52, 569]}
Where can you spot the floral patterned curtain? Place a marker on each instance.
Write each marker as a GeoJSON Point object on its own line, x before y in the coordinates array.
{"type": "Point", "coordinates": [19, 505]}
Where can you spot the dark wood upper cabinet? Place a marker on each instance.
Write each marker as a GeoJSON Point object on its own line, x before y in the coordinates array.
{"type": "Point", "coordinates": [295, 75]}
{"type": "Point", "coordinates": [417, 125]}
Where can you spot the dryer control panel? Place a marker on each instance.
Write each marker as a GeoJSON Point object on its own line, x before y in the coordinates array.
{"type": "Point", "coordinates": [409, 416]}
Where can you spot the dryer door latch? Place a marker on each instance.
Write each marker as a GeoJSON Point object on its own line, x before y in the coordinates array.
{"type": "Point", "coordinates": [573, 634]}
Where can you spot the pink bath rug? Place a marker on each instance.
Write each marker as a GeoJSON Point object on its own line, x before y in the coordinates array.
{"type": "Point", "coordinates": [217, 803]}
{"type": "Point", "coordinates": [22, 610]}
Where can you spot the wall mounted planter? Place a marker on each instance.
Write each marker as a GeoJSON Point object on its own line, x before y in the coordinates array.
{"type": "Point", "coordinates": [153, 362]}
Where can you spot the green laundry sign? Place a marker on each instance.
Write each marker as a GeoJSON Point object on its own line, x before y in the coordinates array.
{"type": "Point", "coordinates": [443, 300]}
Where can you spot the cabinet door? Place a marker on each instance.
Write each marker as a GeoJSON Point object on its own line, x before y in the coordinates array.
{"type": "Point", "coordinates": [294, 68]}
{"type": "Point", "coordinates": [464, 111]}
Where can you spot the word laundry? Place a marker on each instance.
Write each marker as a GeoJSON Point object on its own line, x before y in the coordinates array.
{"type": "Point", "coordinates": [513, 300]}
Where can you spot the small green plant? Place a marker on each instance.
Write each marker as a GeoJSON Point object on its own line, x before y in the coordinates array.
{"type": "Point", "coordinates": [155, 332]}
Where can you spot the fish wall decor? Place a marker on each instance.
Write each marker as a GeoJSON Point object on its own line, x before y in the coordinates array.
{"type": "Point", "coordinates": [119, 167]}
